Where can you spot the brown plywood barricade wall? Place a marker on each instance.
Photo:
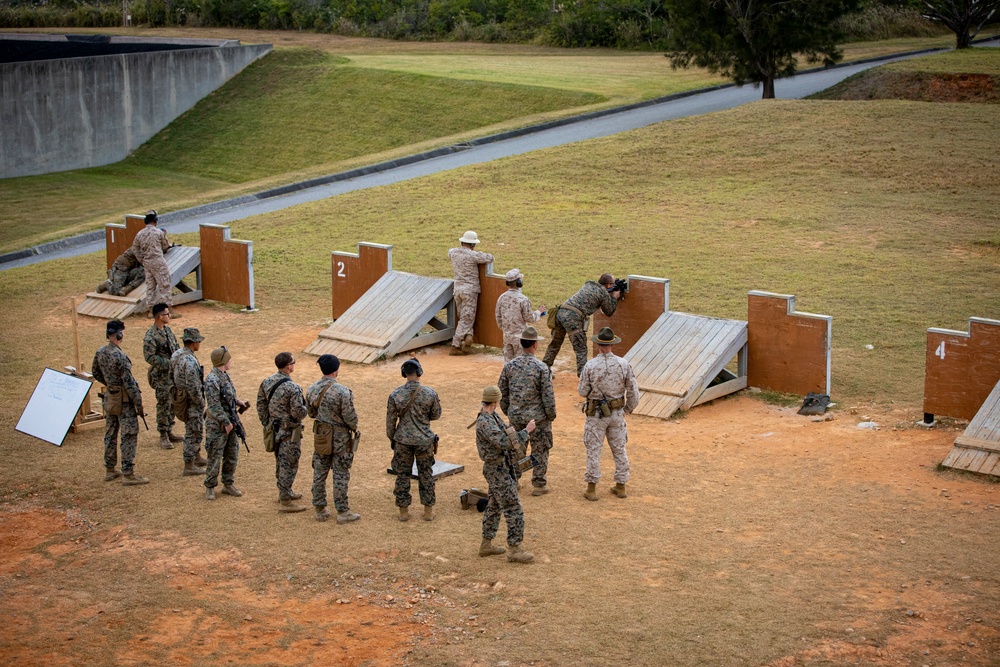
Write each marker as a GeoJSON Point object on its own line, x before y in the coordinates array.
{"type": "Point", "coordinates": [646, 300]}
{"type": "Point", "coordinates": [961, 368]}
{"type": "Point", "coordinates": [118, 238]}
{"type": "Point", "coordinates": [226, 267]}
{"type": "Point", "coordinates": [491, 286]}
{"type": "Point", "coordinates": [355, 273]}
{"type": "Point", "coordinates": [788, 351]}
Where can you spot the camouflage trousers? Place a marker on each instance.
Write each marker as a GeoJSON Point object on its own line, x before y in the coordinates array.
{"type": "Point", "coordinates": [121, 284]}
{"type": "Point", "coordinates": [568, 322]}
{"type": "Point", "coordinates": [402, 462]}
{"type": "Point", "coordinates": [465, 313]}
{"type": "Point", "coordinates": [502, 500]}
{"type": "Point", "coordinates": [194, 428]}
{"type": "Point", "coordinates": [286, 462]}
{"type": "Point", "coordinates": [339, 463]}
{"type": "Point", "coordinates": [157, 283]}
{"type": "Point", "coordinates": [511, 346]}
{"type": "Point", "coordinates": [540, 442]}
{"type": "Point", "coordinates": [164, 406]}
{"type": "Point", "coordinates": [594, 432]}
{"type": "Point", "coordinates": [223, 452]}
{"type": "Point", "coordinates": [128, 425]}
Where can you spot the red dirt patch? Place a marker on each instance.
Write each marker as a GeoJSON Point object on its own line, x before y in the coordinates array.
{"type": "Point", "coordinates": [917, 86]}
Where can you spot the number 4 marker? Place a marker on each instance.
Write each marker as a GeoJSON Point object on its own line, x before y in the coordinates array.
{"type": "Point", "coordinates": [939, 352]}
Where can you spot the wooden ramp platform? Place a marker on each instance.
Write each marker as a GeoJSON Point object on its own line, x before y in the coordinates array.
{"type": "Point", "coordinates": [978, 449]}
{"type": "Point", "coordinates": [181, 261]}
{"type": "Point", "coordinates": [388, 317]}
{"type": "Point", "coordinates": [680, 362]}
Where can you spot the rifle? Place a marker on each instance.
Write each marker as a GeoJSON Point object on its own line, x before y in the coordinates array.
{"type": "Point", "coordinates": [621, 285]}
{"type": "Point", "coordinates": [142, 416]}
{"type": "Point", "coordinates": [234, 417]}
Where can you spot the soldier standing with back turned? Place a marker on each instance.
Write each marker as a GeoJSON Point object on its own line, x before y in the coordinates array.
{"type": "Point", "coordinates": [331, 404]}
{"type": "Point", "coordinates": [149, 246]}
{"type": "Point", "coordinates": [122, 405]}
{"type": "Point", "coordinates": [465, 261]}
{"type": "Point", "coordinates": [409, 412]}
{"type": "Point", "coordinates": [280, 403]}
{"type": "Point", "coordinates": [222, 426]}
{"type": "Point", "coordinates": [158, 346]}
{"type": "Point", "coordinates": [513, 313]}
{"type": "Point", "coordinates": [189, 378]}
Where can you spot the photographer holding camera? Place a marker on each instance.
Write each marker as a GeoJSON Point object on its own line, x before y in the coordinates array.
{"type": "Point", "coordinates": [573, 317]}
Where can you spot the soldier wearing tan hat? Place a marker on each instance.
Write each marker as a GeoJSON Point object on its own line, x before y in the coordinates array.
{"type": "Point", "coordinates": [465, 261]}
{"type": "Point", "coordinates": [513, 313]}
{"type": "Point", "coordinates": [189, 382]}
{"type": "Point", "coordinates": [222, 426]}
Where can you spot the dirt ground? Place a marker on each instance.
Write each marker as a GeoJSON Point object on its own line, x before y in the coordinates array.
{"type": "Point", "coordinates": [751, 536]}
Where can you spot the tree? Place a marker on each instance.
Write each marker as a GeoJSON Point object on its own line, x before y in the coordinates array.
{"type": "Point", "coordinates": [754, 41]}
{"type": "Point", "coordinates": [965, 18]}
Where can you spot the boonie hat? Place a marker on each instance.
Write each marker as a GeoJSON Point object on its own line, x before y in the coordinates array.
{"type": "Point", "coordinates": [606, 337]}
{"type": "Point", "coordinates": [469, 237]}
{"type": "Point", "coordinates": [491, 394]}
{"type": "Point", "coordinates": [529, 333]}
{"type": "Point", "coordinates": [220, 356]}
{"type": "Point", "coordinates": [193, 335]}
{"type": "Point", "coordinates": [513, 275]}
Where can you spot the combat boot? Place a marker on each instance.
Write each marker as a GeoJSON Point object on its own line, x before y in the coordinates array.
{"type": "Point", "coordinates": [428, 512]}
{"type": "Point", "coordinates": [404, 513]}
{"type": "Point", "coordinates": [172, 437]}
{"type": "Point", "coordinates": [103, 287]}
{"type": "Point", "coordinates": [132, 479]}
{"type": "Point", "coordinates": [348, 517]}
{"type": "Point", "coordinates": [295, 496]}
{"type": "Point", "coordinates": [201, 462]}
{"type": "Point", "coordinates": [455, 351]}
{"type": "Point", "coordinates": [540, 490]}
{"type": "Point", "coordinates": [591, 492]}
{"type": "Point", "coordinates": [322, 514]}
{"type": "Point", "coordinates": [467, 343]}
{"type": "Point", "coordinates": [209, 493]}
{"type": "Point", "coordinates": [110, 474]}
{"type": "Point", "coordinates": [165, 441]}
{"type": "Point", "coordinates": [516, 554]}
{"type": "Point", "coordinates": [619, 490]}
{"type": "Point", "coordinates": [231, 490]}
{"type": "Point", "coordinates": [488, 549]}
{"type": "Point", "coordinates": [290, 507]}
{"type": "Point", "coordinates": [190, 469]}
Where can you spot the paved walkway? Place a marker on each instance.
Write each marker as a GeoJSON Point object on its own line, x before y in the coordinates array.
{"type": "Point", "coordinates": [455, 157]}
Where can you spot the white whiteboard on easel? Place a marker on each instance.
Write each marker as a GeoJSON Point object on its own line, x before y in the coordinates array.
{"type": "Point", "coordinates": [53, 406]}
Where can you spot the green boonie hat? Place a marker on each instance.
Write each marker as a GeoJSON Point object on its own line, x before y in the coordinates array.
{"type": "Point", "coordinates": [492, 394]}
{"type": "Point", "coordinates": [606, 337]}
{"type": "Point", "coordinates": [530, 333]}
{"type": "Point", "coordinates": [192, 335]}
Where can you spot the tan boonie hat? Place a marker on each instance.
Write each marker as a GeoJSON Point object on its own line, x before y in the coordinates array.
{"type": "Point", "coordinates": [469, 237]}
{"type": "Point", "coordinates": [220, 356]}
{"type": "Point", "coordinates": [530, 333]}
{"type": "Point", "coordinates": [606, 337]}
{"type": "Point", "coordinates": [193, 335]}
{"type": "Point", "coordinates": [492, 394]}
{"type": "Point", "coordinates": [513, 275]}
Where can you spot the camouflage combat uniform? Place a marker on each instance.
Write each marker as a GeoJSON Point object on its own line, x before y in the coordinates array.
{"type": "Point", "coordinates": [222, 449]}
{"type": "Point", "coordinates": [513, 313]}
{"type": "Point", "coordinates": [189, 376]}
{"type": "Point", "coordinates": [336, 409]}
{"type": "Point", "coordinates": [158, 346]}
{"type": "Point", "coordinates": [112, 368]}
{"type": "Point", "coordinates": [287, 406]}
{"type": "Point", "coordinates": [412, 439]}
{"type": "Point", "coordinates": [126, 274]}
{"type": "Point", "coordinates": [590, 297]}
{"type": "Point", "coordinates": [465, 262]}
{"type": "Point", "coordinates": [607, 377]}
{"type": "Point", "coordinates": [526, 393]}
{"type": "Point", "coordinates": [149, 245]}
{"type": "Point", "coordinates": [498, 454]}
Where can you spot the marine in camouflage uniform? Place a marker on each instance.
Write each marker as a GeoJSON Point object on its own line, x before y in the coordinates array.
{"type": "Point", "coordinates": [287, 407]}
{"type": "Point", "coordinates": [112, 368]}
{"type": "Point", "coordinates": [158, 346]}
{"type": "Point", "coordinates": [412, 438]}
{"type": "Point", "coordinates": [189, 378]}
{"type": "Point", "coordinates": [126, 274]}
{"type": "Point", "coordinates": [527, 393]}
{"type": "Point", "coordinates": [149, 245]}
{"type": "Point", "coordinates": [513, 314]}
{"type": "Point", "coordinates": [573, 317]}
{"type": "Point", "coordinates": [222, 425]}
{"type": "Point", "coordinates": [330, 402]}
{"type": "Point", "coordinates": [465, 261]}
{"type": "Point", "coordinates": [607, 379]}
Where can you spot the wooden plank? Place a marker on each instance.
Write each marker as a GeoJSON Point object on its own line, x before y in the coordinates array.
{"type": "Point", "coordinates": [988, 462]}
{"type": "Point", "coordinates": [949, 461]}
{"type": "Point", "coordinates": [665, 392]}
{"type": "Point", "coordinates": [354, 338]}
{"type": "Point", "coordinates": [669, 342]}
{"type": "Point", "coordinates": [976, 461]}
{"type": "Point", "coordinates": [986, 423]}
{"type": "Point", "coordinates": [715, 363]}
{"type": "Point", "coordinates": [428, 339]}
{"type": "Point", "coordinates": [965, 457]}
{"type": "Point", "coordinates": [646, 347]}
{"type": "Point", "coordinates": [978, 443]}
{"type": "Point", "coordinates": [721, 389]}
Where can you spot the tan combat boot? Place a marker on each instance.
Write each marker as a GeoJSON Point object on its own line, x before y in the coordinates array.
{"type": "Point", "coordinates": [231, 490]}
{"type": "Point", "coordinates": [591, 492]}
{"type": "Point", "coordinates": [296, 496]}
{"type": "Point", "coordinates": [428, 512]}
{"type": "Point", "coordinates": [209, 493]}
{"type": "Point", "coordinates": [110, 474]}
{"type": "Point", "coordinates": [290, 507]}
{"type": "Point", "coordinates": [322, 514]}
{"type": "Point", "coordinates": [467, 343]}
{"type": "Point", "coordinates": [201, 462]}
{"type": "Point", "coordinates": [190, 469]}
{"type": "Point", "coordinates": [455, 351]}
{"type": "Point", "coordinates": [404, 513]}
{"type": "Point", "coordinates": [165, 441]}
{"type": "Point", "coordinates": [488, 549]}
{"type": "Point", "coordinates": [173, 437]}
{"type": "Point", "coordinates": [540, 490]}
{"type": "Point", "coordinates": [132, 479]}
{"type": "Point", "coordinates": [619, 490]}
{"type": "Point", "coordinates": [348, 517]}
{"type": "Point", "coordinates": [516, 554]}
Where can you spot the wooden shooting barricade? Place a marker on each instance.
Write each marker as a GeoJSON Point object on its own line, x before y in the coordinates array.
{"type": "Point", "coordinates": [87, 417]}
{"type": "Point", "coordinates": [960, 369]}
{"type": "Point", "coordinates": [789, 351]}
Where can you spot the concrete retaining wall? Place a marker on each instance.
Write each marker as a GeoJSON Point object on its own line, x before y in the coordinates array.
{"type": "Point", "coordinates": [73, 113]}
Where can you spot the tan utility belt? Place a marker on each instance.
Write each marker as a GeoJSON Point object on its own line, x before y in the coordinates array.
{"type": "Point", "coordinates": [574, 309]}
{"type": "Point", "coordinates": [604, 406]}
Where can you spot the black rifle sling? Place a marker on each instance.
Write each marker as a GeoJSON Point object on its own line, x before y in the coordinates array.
{"type": "Point", "coordinates": [270, 394]}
